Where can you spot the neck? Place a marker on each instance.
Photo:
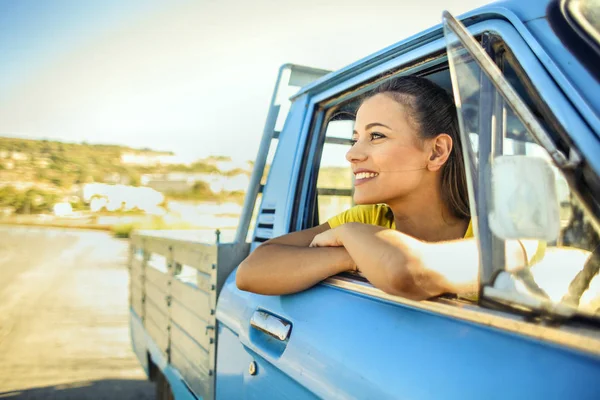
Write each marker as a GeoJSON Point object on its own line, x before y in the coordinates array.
{"type": "Point", "coordinates": [433, 223]}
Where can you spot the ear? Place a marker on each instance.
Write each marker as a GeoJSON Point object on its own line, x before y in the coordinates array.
{"type": "Point", "coordinates": [441, 146]}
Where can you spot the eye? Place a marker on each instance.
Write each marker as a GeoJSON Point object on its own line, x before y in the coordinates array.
{"type": "Point", "coordinates": [377, 135]}
{"type": "Point", "coordinates": [353, 142]}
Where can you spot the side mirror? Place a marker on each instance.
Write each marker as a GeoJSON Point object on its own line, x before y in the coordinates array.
{"type": "Point", "coordinates": [525, 203]}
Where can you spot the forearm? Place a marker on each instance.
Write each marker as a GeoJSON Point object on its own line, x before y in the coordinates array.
{"type": "Point", "coordinates": [399, 264]}
{"type": "Point", "coordinates": [387, 258]}
{"type": "Point", "coordinates": [457, 262]}
{"type": "Point", "coordinates": [276, 269]}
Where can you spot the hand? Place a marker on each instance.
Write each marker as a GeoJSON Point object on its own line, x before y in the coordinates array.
{"type": "Point", "coordinates": [329, 238]}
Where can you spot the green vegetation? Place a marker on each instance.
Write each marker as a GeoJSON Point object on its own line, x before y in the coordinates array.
{"type": "Point", "coordinates": [124, 230]}
{"type": "Point", "coordinates": [55, 169]}
{"type": "Point", "coordinates": [201, 192]}
{"type": "Point", "coordinates": [195, 167]}
{"type": "Point", "coordinates": [63, 164]}
{"type": "Point", "coordinates": [29, 201]}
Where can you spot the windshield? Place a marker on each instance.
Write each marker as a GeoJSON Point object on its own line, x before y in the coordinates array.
{"type": "Point", "coordinates": [513, 178]}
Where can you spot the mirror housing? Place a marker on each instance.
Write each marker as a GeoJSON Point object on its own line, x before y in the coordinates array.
{"type": "Point", "coordinates": [525, 203]}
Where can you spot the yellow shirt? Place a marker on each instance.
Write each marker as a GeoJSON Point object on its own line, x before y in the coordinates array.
{"type": "Point", "coordinates": [373, 214]}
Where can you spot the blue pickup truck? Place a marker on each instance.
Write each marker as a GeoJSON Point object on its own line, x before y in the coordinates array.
{"type": "Point", "coordinates": [525, 76]}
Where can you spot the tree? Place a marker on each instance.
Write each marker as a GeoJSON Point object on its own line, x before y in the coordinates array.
{"type": "Point", "coordinates": [202, 189]}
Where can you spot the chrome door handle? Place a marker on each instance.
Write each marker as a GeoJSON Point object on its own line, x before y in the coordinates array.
{"type": "Point", "coordinates": [271, 325]}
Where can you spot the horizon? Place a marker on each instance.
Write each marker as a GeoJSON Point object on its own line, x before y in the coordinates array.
{"type": "Point", "coordinates": [86, 143]}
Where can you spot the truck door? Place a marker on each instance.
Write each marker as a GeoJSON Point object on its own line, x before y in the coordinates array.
{"type": "Point", "coordinates": [345, 338]}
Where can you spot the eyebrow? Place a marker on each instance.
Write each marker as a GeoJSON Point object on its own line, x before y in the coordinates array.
{"type": "Point", "coordinates": [373, 124]}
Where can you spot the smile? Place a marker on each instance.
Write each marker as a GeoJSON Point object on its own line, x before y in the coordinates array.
{"type": "Point", "coordinates": [363, 177]}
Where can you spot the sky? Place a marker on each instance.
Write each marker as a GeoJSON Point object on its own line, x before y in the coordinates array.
{"type": "Point", "coordinates": [192, 77]}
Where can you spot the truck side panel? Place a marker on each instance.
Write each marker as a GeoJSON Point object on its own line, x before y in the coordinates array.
{"type": "Point", "coordinates": [345, 345]}
{"type": "Point", "coordinates": [173, 297]}
{"type": "Point", "coordinates": [235, 381]}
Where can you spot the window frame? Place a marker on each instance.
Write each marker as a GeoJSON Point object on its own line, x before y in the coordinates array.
{"type": "Point", "coordinates": [428, 56]}
{"type": "Point", "coordinates": [553, 140]}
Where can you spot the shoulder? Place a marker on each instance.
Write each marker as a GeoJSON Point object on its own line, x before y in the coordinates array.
{"type": "Point", "coordinates": [373, 214]}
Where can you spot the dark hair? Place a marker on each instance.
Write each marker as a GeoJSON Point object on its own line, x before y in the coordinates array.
{"type": "Point", "coordinates": [432, 110]}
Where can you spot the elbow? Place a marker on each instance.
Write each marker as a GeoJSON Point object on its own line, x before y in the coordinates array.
{"type": "Point", "coordinates": [402, 284]}
{"type": "Point", "coordinates": [247, 274]}
{"type": "Point", "coordinates": [243, 279]}
{"type": "Point", "coordinates": [413, 282]}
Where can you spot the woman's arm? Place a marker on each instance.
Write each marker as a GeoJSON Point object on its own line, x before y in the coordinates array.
{"type": "Point", "coordinates": [287, 265]}
{"type": "Point", "coordinates": [394, 262]}
{"type": "Point", "coordinates": [404, 266]}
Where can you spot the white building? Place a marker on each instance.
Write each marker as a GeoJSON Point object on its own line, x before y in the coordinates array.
{"type": "Point", "coordinates": [149, 159]}
{"type": "Point", "coordinates": [183, 181]}
{"type": "Point", "coordinates": [121, 197]}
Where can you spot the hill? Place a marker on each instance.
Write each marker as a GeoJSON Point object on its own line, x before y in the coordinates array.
{"type": "Point", "coordinates": [49, 170]}
{"type": "Point", "coordinates": [61, 165]}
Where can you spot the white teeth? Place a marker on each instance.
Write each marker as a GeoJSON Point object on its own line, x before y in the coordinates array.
{"type": "Point", "coordinates": [365, 175]}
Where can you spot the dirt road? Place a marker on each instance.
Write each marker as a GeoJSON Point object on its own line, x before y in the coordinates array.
{"type": "Point", "coordinates": [64, 330]}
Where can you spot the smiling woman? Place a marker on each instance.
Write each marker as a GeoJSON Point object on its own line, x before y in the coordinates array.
{"type": "Point", "coordinates": [410, 191]}
{"type": "Point", "coordinates": [406, 154]}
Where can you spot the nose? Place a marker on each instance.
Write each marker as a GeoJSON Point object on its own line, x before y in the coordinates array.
{"type": "Point", "coordinates": [356, 153]}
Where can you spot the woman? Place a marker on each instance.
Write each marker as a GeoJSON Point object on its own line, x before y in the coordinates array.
{"type": "Point", "coordinates": [413, 207]}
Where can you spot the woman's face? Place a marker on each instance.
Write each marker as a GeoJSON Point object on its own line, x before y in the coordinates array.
{"type": "Point", "coordinates": [388, 159]}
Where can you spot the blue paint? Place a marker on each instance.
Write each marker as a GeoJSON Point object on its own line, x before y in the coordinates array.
{"type": "Point", "coordinates": [345, 345]}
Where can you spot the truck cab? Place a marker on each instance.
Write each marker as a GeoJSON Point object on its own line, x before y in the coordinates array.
{"type": "Point", "coordinates": [525, 79]}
